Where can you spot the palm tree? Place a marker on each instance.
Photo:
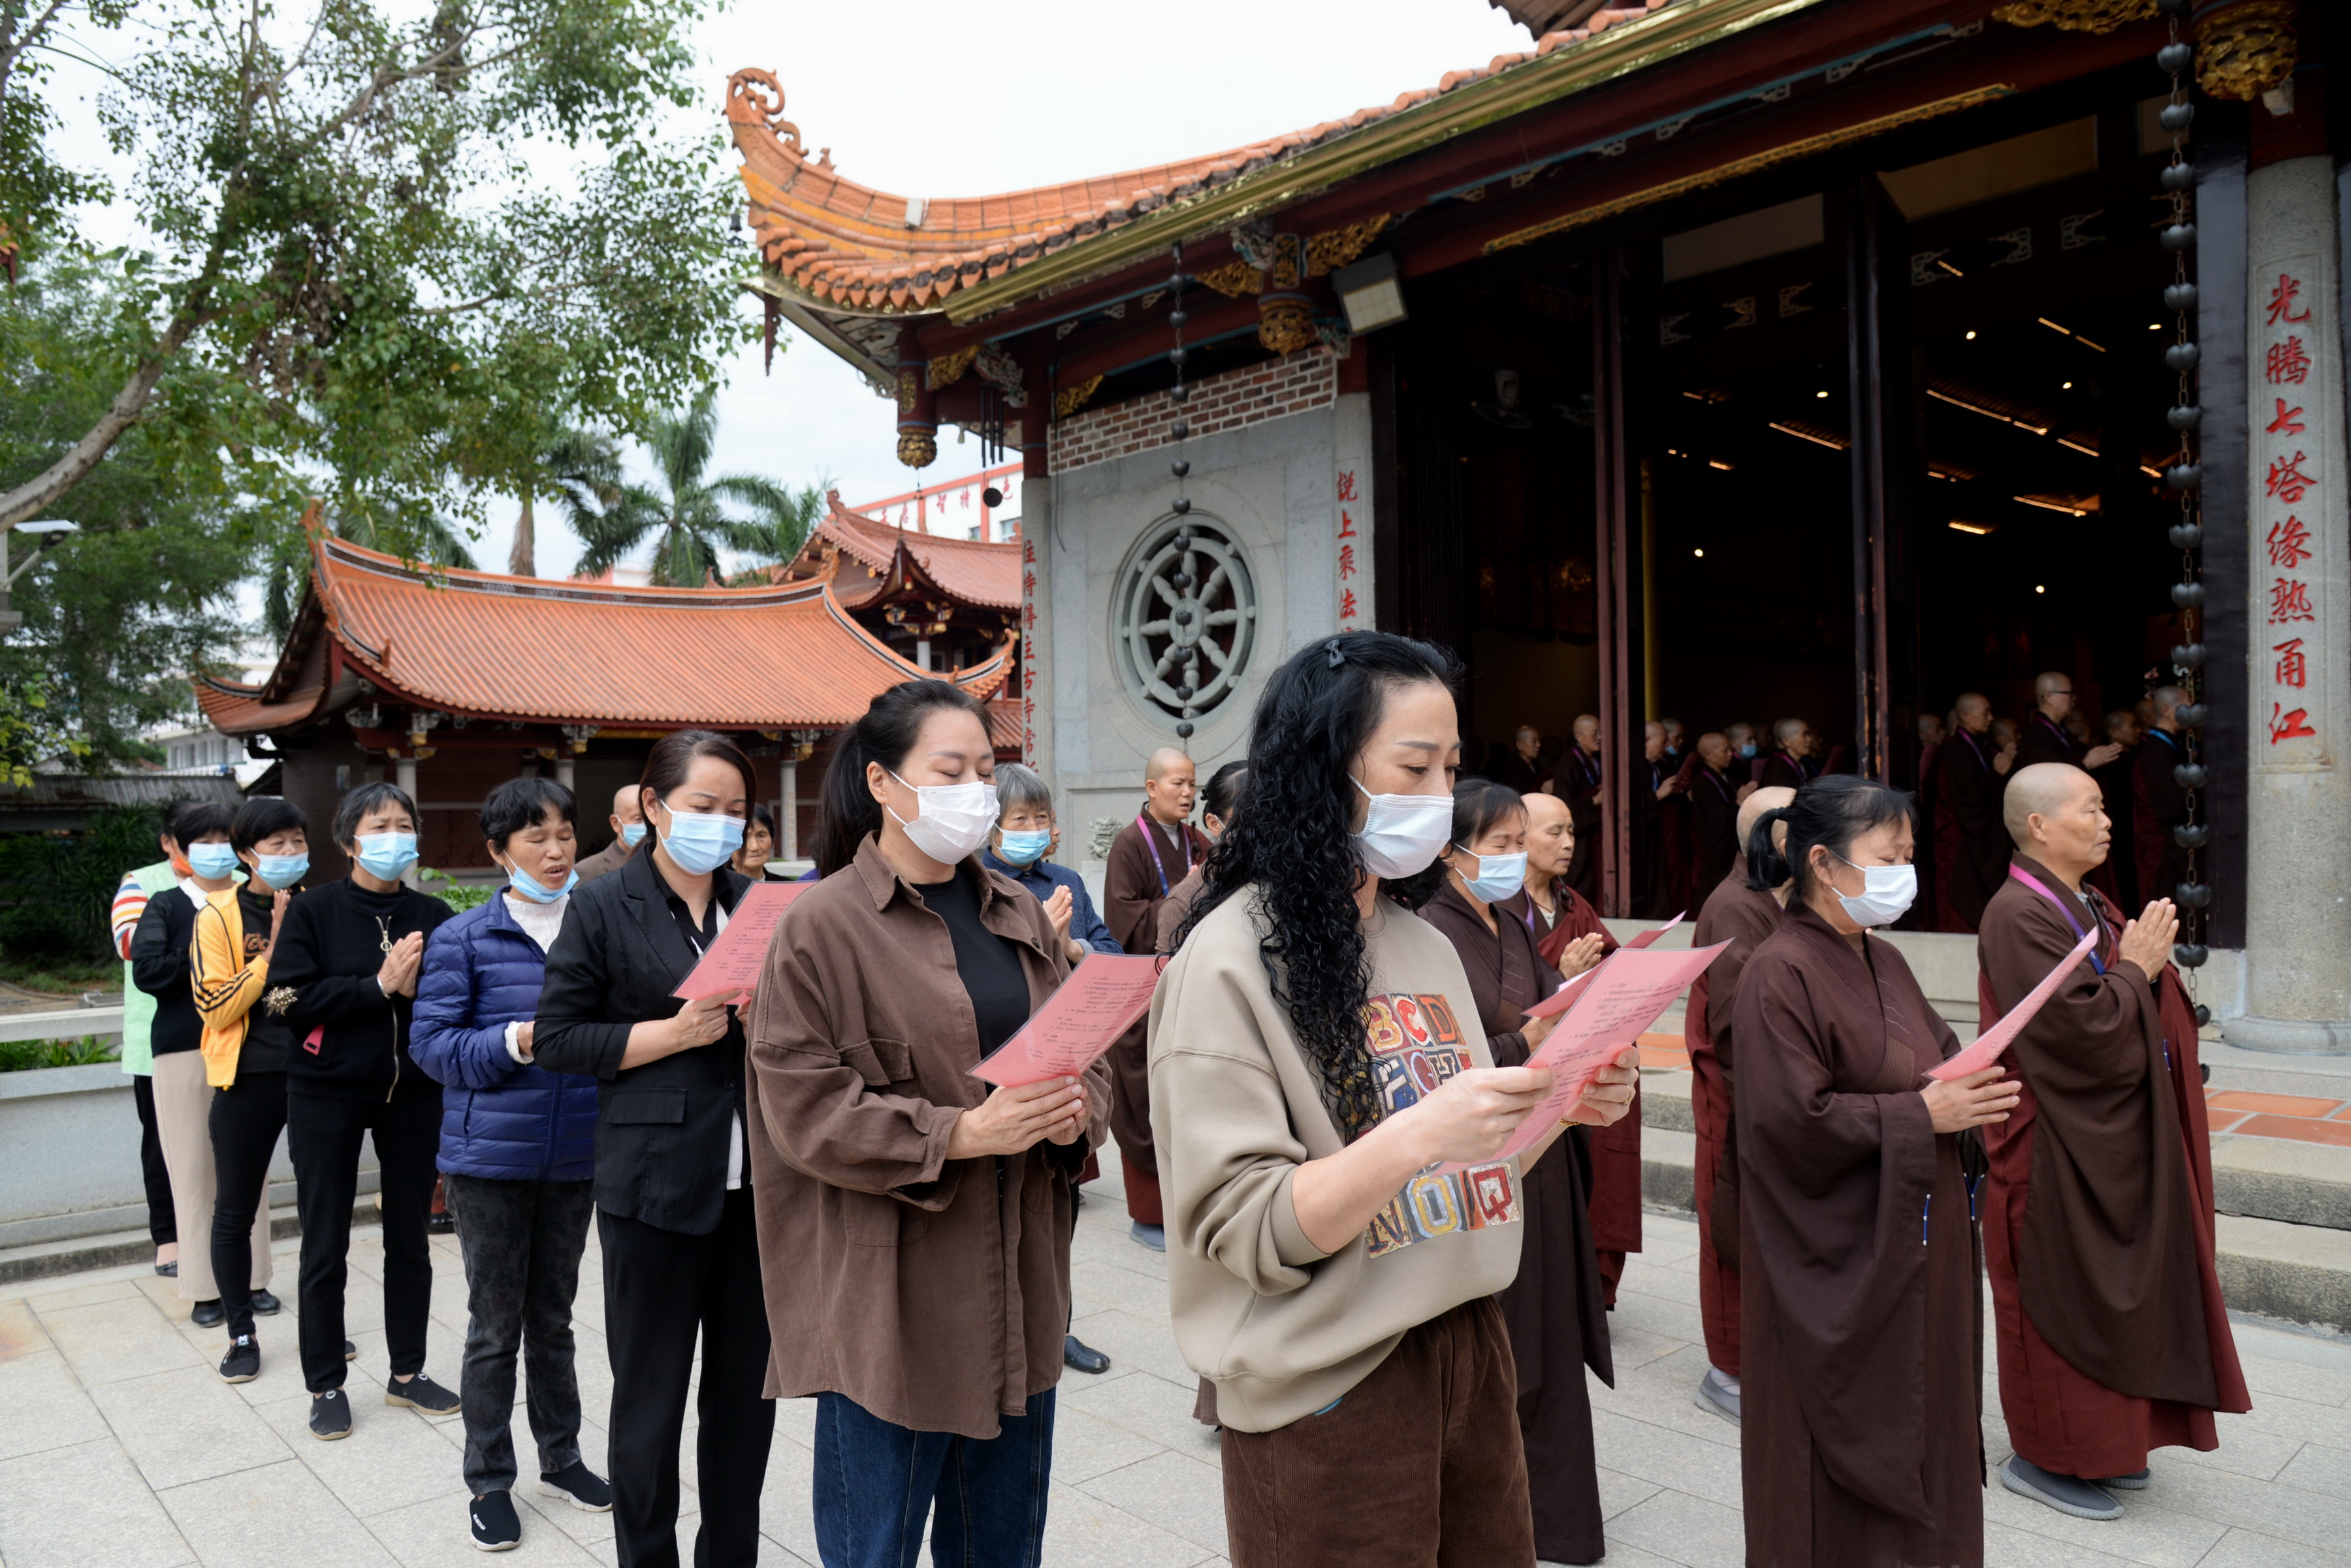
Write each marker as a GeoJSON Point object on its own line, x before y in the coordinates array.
{"type": "Point", "coordinates": [685, 512]}
{"type": "Point", "coordinates": [580, 468]}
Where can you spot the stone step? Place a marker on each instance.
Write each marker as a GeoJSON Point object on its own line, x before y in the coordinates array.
{"type": "Point", "coordinates": [47, 1259]}
{"type": "Point", "coordinates": [2270, 1267]}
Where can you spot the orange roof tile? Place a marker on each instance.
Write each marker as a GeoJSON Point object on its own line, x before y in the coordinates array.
{"type": "Point", "coordinates": [1004, 728]}
{"type": "Point", "coordinates": [844, 245]}
{"type": "Point", "coordinates": [984, 575]}
{"type": "Point", "coordinates": [489, 645]}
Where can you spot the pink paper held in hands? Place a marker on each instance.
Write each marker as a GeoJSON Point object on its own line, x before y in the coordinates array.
{"type": "Point", "coordinates": [1645, 937]}
{"type": "Point", "coordinates": [1995, 1039]}
{"type": "Point", "coordinates": [1609, 1008]}
{"type": "Point", "coordinates": [733, 962]}
{"type": "Point", "coordinates": [1099, 1001]}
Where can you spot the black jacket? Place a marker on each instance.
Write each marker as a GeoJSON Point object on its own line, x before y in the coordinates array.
{"type": "Point", "coordinates": [159, 967]}
{"type": "Point", "coordinates": [322, 976]}
{"type": "Point", "coordinates": [663, 1130]}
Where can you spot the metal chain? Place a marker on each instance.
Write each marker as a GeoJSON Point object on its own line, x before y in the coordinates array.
{"type": "Point", "coordinates": [1179, 395]}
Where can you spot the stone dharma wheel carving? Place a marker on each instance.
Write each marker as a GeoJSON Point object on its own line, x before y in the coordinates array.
{"type": "Point", "coordinates": [1184, 618]}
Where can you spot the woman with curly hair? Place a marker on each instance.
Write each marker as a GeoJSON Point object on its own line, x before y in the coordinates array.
{"type": "Point", "coordinates": [1558, 1325]}
{"type": "Point", "coordinates": [1315, 1060]}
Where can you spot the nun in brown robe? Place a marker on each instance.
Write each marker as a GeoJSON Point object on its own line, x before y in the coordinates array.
{"type": "Point", "coordinates": [1860, 1262]}
{"type": "Point", "coordinates": [2098, 1222]}
{"type": "Point", "coordinates": [1558, 916]}
{"type": "Point", "coordinates": [1557, 1324]}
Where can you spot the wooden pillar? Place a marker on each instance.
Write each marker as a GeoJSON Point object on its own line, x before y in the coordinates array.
{"type": "Point", "coordinates": [1614, 524]}
{"type": "Point", "coordinates": [1867, 391]}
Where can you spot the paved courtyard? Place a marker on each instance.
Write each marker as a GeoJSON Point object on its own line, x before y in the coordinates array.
{"type": "Point", "coordinates": [120, 1446]}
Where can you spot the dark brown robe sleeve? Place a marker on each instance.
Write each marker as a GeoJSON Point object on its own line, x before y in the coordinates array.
{"type": "Point", "coordinates": [2036, 743]}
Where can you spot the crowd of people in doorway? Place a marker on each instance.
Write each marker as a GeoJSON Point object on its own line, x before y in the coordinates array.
{"type": "Point", "coordinates": [802, 1187]}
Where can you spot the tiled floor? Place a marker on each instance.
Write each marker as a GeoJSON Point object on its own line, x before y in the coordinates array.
{"type": "Point", "coordinates": [118, 1446]}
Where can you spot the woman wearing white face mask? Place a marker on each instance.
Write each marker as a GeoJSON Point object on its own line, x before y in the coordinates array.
{"type": "Point", "coordinates": [915, 1223]}
{"type": "Point", "coordinates": [1315, 1051]}
{"type": "Point", "coordinates": [1553, 1309]}
{"type": "Point", "coordinates": [1862, 1322]}
{"type": "Point", "coordinates": [673, 1185]}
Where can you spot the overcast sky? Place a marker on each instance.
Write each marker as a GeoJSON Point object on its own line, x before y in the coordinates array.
{"type": "Point", "coordinates": [928, 99]}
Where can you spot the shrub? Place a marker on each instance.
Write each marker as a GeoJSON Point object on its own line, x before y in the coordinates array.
{"type": "Point", "coordinates": [23, 1055]}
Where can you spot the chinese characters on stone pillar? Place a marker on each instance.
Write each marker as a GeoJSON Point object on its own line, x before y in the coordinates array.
{"type": "Point", "coordinates": [2291, 661]}
{"type": "Point", "coordinates": [1032, 673]}
{"type": "Point", "coordinates": [1351, 547]}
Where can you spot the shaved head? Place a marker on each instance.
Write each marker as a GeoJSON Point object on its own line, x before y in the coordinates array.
{"type": "Point", "coordinates": [625, 808]}
{"type": "Point", "coordinates": [1168, 784]}
{"type": "Point", "coordinates": [1543, 808]}
{"type": "Point", "coordinates": [2050, 681]}
{"type": "Point", "coordinates": [1714, 748]}
{"type": "Point", "coordinates": [1751, 810]}
{"type": "Point", "coordinates": [1587, 726]}
{"type": "Point", "coordinates": [2043, 790]}
{"type": "Point", "coordinates": [1550, 838]}
{"type": "Point", "coordinates": [1166, 758]}
{"type": "Point", "coordinates": [1931, 728]}
{"type": "Point", "coordinates": [1738, 734]}
{"type": "Point", "coordinates": [2168, 700]}
{"type": "Point", "coordinates": [1973, 710]}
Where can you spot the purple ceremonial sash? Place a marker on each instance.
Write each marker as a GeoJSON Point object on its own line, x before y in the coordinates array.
{"type": "Point", "coordinates": [1151, 837]}
{"type": "Point", "coordinates": [2028, 880]}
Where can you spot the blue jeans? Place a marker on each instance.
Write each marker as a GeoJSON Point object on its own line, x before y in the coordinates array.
{"type": "Point", "coordinates": [876, 1482]}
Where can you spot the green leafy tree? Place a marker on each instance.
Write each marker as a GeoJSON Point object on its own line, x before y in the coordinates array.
{"type": "Point", "coordinates": [385, 241]}
{"type": "Point", "coordinates": [577, 467]}
{"type": "Point", "coordinates": [690, 515]}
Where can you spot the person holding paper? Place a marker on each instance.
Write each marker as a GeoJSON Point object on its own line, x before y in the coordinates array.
{"type": "Point", "coordinates": [1149, 858]}
{"type": "Point", "coordinates": [1571, 938]}
{"type": "Point", "coordinates": [518, 1148]}
{"type": "Point", "coordinates": [2099, 1218]}
{"type": "Point", "coordinates": [1742, 912]}
{"type": "Point", "coordinates": [1557, 1324]}
{"type": "Point", "coordinates": [1861, 1312]}
{"type": "Point", "coordinates": [673, 1184]}
{"type": "Point", "coordinates": [1314, 1053]}
{"type": "Point", "coordinates": [915, 1222]}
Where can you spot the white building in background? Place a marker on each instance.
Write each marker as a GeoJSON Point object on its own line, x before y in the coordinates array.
{"type": "Point", "coordinates": [957, 508]}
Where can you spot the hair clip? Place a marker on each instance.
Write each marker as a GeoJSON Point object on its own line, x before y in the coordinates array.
{"type": "Point", "coordinates": [1338, 654]}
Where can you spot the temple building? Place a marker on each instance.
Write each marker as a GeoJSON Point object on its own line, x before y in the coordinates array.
{"type": "Point", "coordinates": [944, 602]}
{"type": "Point", "coordinates": [1730, 359]}
{"type": "Point", "coordinates": [449, 683]}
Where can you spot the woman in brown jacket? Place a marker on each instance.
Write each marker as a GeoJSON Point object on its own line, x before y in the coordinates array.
{"type": "Point", "coordinates": [1552, 1308]}
{"type": "Point", "coordinates": [913, 1226]}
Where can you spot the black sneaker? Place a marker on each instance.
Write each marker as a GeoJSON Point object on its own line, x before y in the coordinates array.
{"type": "Point", "coordinates": [442, 1223]}
{"type": "Point", "coordinates": [331, 1416]}
{"type": "Point", "coordinates": [583, 1487]}
{"type": "Point", "coordinates": [421, 1393]}
{"type": "Point", "coordinates": [350, 1351]}
{"type": "Point", "coordinates": [243, 1362]}
{"type": "Point", "coordinates": [266, 1305]}
{"type": "Point", "coordinates": [496, 1528]}
{"type": "Point", "coordinates": [209, 1314]}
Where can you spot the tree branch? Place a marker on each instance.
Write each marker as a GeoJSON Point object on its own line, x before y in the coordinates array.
{"type": "Point", "coordinates": [15, 42]}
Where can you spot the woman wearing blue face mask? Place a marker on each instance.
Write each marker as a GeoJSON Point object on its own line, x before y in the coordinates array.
{"type": "Point", "coordinates": [343, 978]}
{"type": "Point", "coordinates": [1022, 847]}
{"type": "Point", "coordinates": [160, 967]}
{"type": "Point", "coordinates": [244, 1049]}
{"type": "Point", "coordinates": [518, 1148]}
{"type": "Point", "coordinates": [1553, 1309]}
{"type": "Point", "coordinates": [672, 1186]}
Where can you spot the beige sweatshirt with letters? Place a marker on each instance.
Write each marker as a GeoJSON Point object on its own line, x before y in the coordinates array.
{"type": "Point", "coordinates": [1282, 1328]}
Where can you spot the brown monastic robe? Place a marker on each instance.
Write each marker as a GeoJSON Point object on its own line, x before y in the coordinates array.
{"type": "Point", "coordinates": [1714, 819]}
{"type": "Point", "coordinates": [1861, 1368]}
{"type": "Point", "coordinates": [1782, 771]}
{"type": "Point", "coordinates": [1616, 1150]}
{"type": "Point", "coordinates": [2098, 1216]}
{"type": "Point", "coordinates": [2159, 804]}
{"type": "Point", "coordinates": [1970, 844]}
{"type": "Point", "coordinates": [2117, 787]}
{"type": "Point", "coordinates": [1134, 884]}
{"type": "Point", "coordinates": [1578, 782]}
{"type": "Point", "coordinates": [1558, 1326]}
{"type": "Point", "coordinates": [1737, 914]}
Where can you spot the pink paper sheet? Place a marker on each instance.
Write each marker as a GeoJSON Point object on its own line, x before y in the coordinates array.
{"type": "Point", "coordinates": [1612, 1006]}
{"type": "Point", "coordinates": [1099, 1001]}
{"type": "Point", "coordinates": [733, 962]}
{"type": "Point", "coordinates": [1645, 937]}
{"type": "Point", "coordinates": [1995, 1039]}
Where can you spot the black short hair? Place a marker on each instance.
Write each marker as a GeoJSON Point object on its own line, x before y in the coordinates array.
{"type": "Point", "coordinates": [1478, 804]}
{"type": "Point", "coordinates": [672, 759]}
{"type": "Point", "coordinates": [1831, 811]}
{"type": "Point", "coordinates": [893, 722]}
{"type": "Point", "coordinates": [520, 803]}
{"type": "Point", "coordinates": [763, 817]}
{"type": "Point", "coordinates": [356, 806]}
{"type": "Point", "coordinates": [262, 817]}
{"type": "Point", "coordinates": [195, 819]}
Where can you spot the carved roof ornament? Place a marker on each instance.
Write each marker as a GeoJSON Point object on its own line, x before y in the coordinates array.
{"type": "Point", "coordinates": [2075, 15]}
{"type": "Point", "coordinates": [1069, 400]}
{"type": "Point", "coordinates": [2245, 51]}
{"type": "Point", "coordinates": [949, 368]}
{"type": "Point", "coordinates": [763, 96]}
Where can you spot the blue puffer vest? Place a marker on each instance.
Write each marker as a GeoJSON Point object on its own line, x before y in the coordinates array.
{"type": "Point", "coordinates": [498, 1118]}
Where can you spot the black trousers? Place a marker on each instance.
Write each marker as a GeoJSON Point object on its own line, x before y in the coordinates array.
{"type": "Point", "coordinates": [162, 1224]}
{"type": "Point", "coordinates": [245, 1119]}
{"type": "Point", "coordinates": [324, 1137]}
{"type": "Point", "coordinates": [522, 1242]}
{"type": "Point", "coordinates": [658, 1286]}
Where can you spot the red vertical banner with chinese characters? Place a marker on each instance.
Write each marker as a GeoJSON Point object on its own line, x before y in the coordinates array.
{"type": "Point", "coordinates": [2297, 550]}
{"type": "Point", "coordinates": [1354, 553]}
{"type": "Point", "coordinates": [1032, 673]}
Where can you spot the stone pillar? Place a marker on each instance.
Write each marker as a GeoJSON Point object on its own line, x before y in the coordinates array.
{"type": "Point", "coordinates": [565, 772]}
{"type": "Point", "coordinates": [923, 651]}
{"type": "Point", "coordinates": [404, 774]}
{"type": "Point", "coordinates": [787, 810]}
{"type": "Point", "coordinates": [1351, 508]}
{"type": "Point", "coordinates": [2297, 699]}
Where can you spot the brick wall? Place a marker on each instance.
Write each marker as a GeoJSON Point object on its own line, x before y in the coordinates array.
{"type": "Point", "coordinates": [1306, 379]}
